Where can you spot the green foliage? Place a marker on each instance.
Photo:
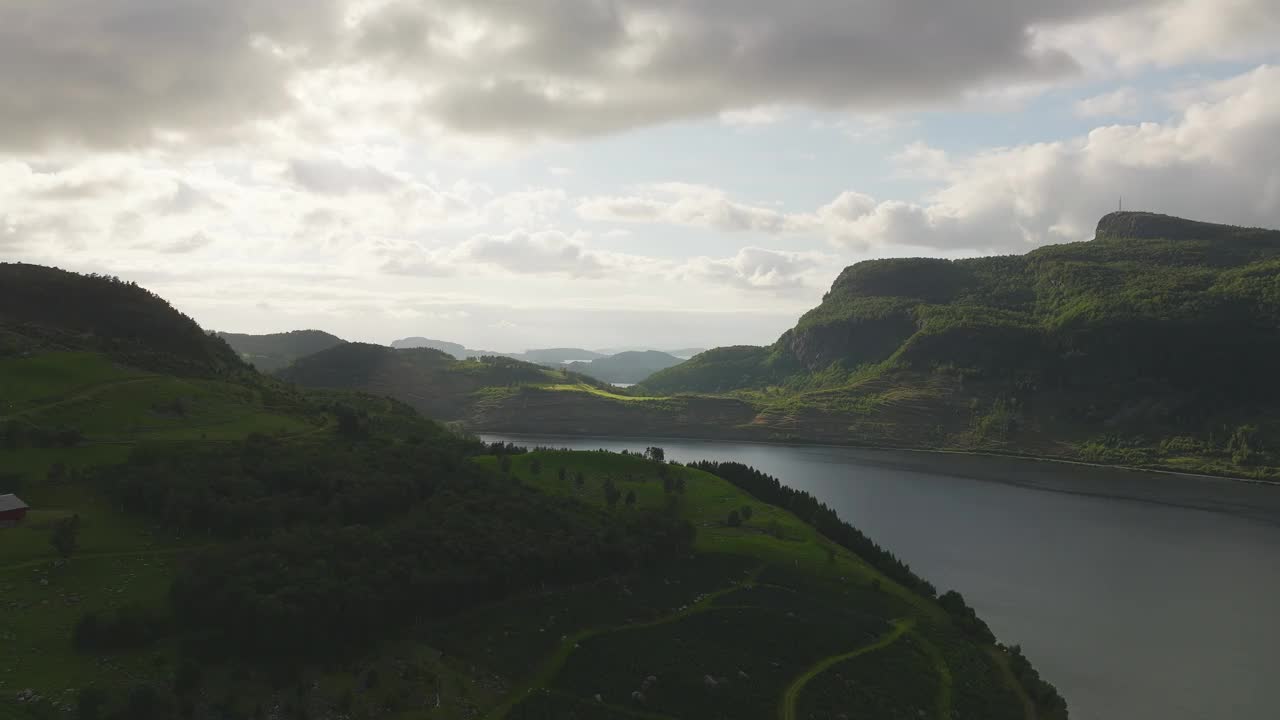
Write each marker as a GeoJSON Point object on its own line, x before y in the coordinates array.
{"type": "Point", "coordinates": [124, 628]}
{"type": "Point", "coordinates": [965, 618]}
{"type": "Point", "coordinates": [1045, 696]}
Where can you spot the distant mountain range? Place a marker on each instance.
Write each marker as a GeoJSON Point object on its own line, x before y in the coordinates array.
{"type": "Point", "coordinates": [542, 356]}
{"type": "Point", "coordinates": [277, 351]}
{"type": "Point", "coordinates": [545, 356]}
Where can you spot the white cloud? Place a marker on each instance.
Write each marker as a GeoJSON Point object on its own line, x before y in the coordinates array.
{"type": "Point", "coordinates": [1120, 103]}
{"type": "Point", "coordinates": [755, 268]}
{"type": "Point", "coordinates": [687, 204]}
{"type": "Point", "coordinates": [1218, 161]}
{"type": "Point", "coordinates": [1166, 33]}
{"type": "Point", "coordinates": [756, 116]}
{"type": "Point", "coordinates": [523, 252]}
{"type": "Point", "coordinates": [181, 246]}
{"type": "Point", "coordinates": [526, 207]}
{"type": "Point", "coordinates": [333, 176]}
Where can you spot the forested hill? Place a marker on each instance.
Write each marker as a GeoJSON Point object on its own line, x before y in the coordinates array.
{"type": "Point", "coordinates": [1159, 327]}
{"type": "Point", "coordinates": [269, 353]}
{"type": "Point", "coordinates": [625, 367]}
{"type": "Point", "coordinates": [433, 381]}
{"type": "Point", "coordinates": [44, 308]}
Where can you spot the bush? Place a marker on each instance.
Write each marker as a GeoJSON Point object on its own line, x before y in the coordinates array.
{"type": "Point", "coordinates": [126, 628]}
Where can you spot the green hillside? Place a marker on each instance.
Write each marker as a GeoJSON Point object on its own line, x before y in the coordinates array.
{"type": "Point", "coordinates": [1152, 345]}
{"type": "Point", "coordinates": [269, 353]}
{"type": "Point", "coordinates": [229, 546]}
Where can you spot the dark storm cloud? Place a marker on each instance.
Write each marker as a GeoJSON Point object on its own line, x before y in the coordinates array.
{"type": "Point", "coordinates": [553, 67]}
{"type": "Point", "coordinates": [119, 72]}
{"type": "Point", "coordinates": [113, 73]}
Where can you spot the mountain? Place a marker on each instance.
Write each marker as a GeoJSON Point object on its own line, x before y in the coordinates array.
{"type": "Point", "coordinates": [190, 531]}
{"type": "Point", "coordinates": [551, 357]}
{"type": "Point", "coordinates": [458, 351]}
{"type": "Point", "coordinates": [1153, 343]}
{"type": "Point", "coordinates": [269, 353]}
{"type": "Point", "coordinates": [625, 367]}
{"type": "Point", "coordinates": [1150, 346]}
{"type": "Point", "coordinates": [46, 309]}
{"type": "Point", "coordinates": [680, 353]}
{"type": "Point", "coordinates": [431, 380]}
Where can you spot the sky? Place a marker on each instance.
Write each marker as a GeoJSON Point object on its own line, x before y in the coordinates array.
{"type": "Point", "coordinates": [667, 173]}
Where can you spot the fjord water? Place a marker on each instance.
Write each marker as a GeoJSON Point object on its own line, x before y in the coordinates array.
{"type": "Point", "coordinates": [1140, 595]}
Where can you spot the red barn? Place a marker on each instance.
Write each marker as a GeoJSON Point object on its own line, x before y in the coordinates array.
{"type": "Point", "coordinates": [12, 510]}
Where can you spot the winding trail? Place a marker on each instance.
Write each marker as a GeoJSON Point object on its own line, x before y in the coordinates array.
{"type": "Point", "coordinates": [943, 708]}
{"type": "Point", "coordinates": [787, 707]}
{"type": "Point", "coordinates": [553, 664]}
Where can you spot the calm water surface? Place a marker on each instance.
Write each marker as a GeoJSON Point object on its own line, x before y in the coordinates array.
{"type": "Point", "coordinates": [1141, 596]}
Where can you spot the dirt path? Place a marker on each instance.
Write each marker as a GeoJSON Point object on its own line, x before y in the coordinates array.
{"type": "Point", "coordinates": [787, 707]}
{"type": "Point", "coordinates": [943, 709]}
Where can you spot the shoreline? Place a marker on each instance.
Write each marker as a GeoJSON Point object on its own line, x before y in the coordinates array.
{"type": "Point", "coordinates": [1244, 499]}
{"type": "Point", "coordinates": [889, 448]}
